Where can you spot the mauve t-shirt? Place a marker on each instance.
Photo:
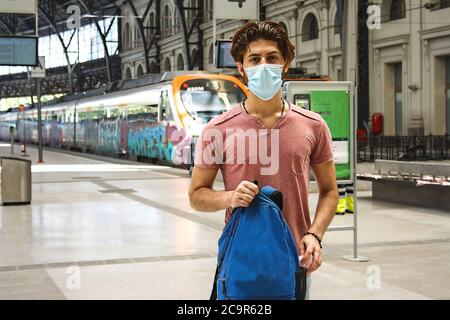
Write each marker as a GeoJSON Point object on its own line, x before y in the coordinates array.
{"type": "Point", "coordinates": [244, 149]}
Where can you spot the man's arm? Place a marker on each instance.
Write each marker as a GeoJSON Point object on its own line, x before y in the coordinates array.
{"type": "Point", "coordinates": [325, 174]}
{"type": "Point", "coordinates": [202, 197]}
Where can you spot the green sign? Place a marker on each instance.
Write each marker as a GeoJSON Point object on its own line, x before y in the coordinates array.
{"type": "Point", "coordinates": [334, 107]}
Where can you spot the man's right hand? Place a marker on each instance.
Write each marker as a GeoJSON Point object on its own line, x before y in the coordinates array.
{"type": "Point", "coordinates": [243, 195]}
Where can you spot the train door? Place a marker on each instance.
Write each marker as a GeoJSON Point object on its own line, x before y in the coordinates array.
{"type": "Point", "coordinates": [123, 125]}
{"type": "Point", "coordinates": [170, 131]}
{"type": "Point", "coordinates": [165, 113]}
{"type": "Point", "coordinates": [143, 131]}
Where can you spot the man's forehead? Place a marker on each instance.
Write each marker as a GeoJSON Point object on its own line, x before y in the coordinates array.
{"type": "Point", "coordinates": [262, 47]}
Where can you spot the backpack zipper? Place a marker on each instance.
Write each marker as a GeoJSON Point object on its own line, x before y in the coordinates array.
{"type": "Point", "coordinates": [224, 288]}
{"type": "Point", "coordinates": [223, 279]}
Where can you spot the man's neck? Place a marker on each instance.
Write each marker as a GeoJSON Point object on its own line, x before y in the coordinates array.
{"type": "Point", "coordinates": [262, 108]}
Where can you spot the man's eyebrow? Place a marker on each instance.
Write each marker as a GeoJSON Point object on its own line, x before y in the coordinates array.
{"type": "Point", "coordinates": [258, 54]}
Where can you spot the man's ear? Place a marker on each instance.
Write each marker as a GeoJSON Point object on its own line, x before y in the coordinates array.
{"type": "Point", "coordinates": [240, 68]}
{"type": "Point", "coordinates": [285, 69]}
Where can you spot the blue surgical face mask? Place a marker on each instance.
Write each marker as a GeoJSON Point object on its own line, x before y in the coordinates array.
{"type": "Point", "coordinates": [264, 80]}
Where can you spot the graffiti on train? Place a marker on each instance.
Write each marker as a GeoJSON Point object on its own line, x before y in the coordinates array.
{"type": "Point", "coordinates": [148, 139]}
{"type": "Point", "coordinates": [153, 140]}
{"type": "Point", "coordinates": [109, 136]}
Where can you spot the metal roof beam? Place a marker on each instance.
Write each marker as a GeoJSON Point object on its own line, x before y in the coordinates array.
{"type": "Point", "coordinates": [61, 40]}
{"type": "Point", "coordinates": [102, 36]}
{"type": "Point", "coordinates": [141, 31]}
{"type": "Point", "coordinates": [188, 33]}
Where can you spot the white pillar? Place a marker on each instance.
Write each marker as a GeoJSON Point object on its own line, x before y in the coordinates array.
{"type": "Point", "coordinates": [352, 38]}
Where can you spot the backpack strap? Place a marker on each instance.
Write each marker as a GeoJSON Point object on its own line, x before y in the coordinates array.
{"type": "Point", "coordinates": [274, 195]}
{"type": "Point", "coordinates": [300, 284]}
{"type": "Point", "coordinates": [213, 295]}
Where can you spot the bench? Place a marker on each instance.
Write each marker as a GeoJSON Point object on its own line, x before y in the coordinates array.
{"type": "Point", "coordinates": [413, 183]}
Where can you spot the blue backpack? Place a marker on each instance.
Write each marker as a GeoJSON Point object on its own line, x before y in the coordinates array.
{"type": "Point", "coordinates": [257, 257]}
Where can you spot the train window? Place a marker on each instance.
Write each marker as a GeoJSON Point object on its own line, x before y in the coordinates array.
{"type": "Point", "coordinates": [132, 113]}
{"type": "Point", "coordinates": [97, 115]}
{"type": "Point", "coordinates": [84, 116]}
{"type": "Point", "coordinates": [143, 113]}
{"type": "Point", "coordinates": [151, 112]}
{"type": "Point", "coordinates": [166, 111]}
{"type": "Point", "coordinates": [112, 113]}
{"type": "Point", "coordinates": [80, 116]}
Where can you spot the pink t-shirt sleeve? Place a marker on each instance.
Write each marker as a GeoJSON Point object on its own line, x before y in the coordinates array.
{"type": "Point", "coordinates": [207, 149]}
{"type": "Point", "coordinates": [323, 150]}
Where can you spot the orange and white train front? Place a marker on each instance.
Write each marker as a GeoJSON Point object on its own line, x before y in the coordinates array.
{"type": "Point", "coordinates": [199, 98]}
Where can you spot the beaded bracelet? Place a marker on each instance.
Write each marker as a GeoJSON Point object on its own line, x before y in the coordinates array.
{"type": "Point", "coordinates": [315, 236]}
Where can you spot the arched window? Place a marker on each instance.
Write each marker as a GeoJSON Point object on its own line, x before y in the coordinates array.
{"type": "Point", "coordinates": [177, 21]}
{"type": "Point", "coordinates": [128, 74]}
{"type": "Point", "coordinates": [152, 67]}
{"type": "Point", "coordinates": [444, 4]}
{"type": "Point", "coordinates": [180, 62]}
{"type": "Point", "coordinates": [127, 37]}
{"type": "Point", "coordinates": [194, 59]}
{"type": "Point", "coordinates": [190, 14]}
{"type": "Point", "coordinates": [166, 21]}
{"type": "Point", "coordinates": [337, 24]}
{"type": "Point", "coordinates": [139, 71]}
{"type": "Point", "coordinates": [151, 24]}
{"type": "Point", "coordinates": [207, 10]}
{"type": "Point", "coordinates": [148, 31]}
{"type": "Point", "coordinates": [167, 66]}
{"type": "Point", "coordinates": [398, 10]}
{"type": "Point", "coordinates": [310, 28]}
{"type": "Point", "coordinates": [211, 54]}
{"type": "Point", "coordinates": [137, 36]}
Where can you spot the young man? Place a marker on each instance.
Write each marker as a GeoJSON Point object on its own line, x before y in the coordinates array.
{"type": "Point", "coordinates": [296, 140]}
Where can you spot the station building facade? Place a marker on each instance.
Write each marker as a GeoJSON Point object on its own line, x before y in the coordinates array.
{"type": "Point", "coordinates": [408, 66]}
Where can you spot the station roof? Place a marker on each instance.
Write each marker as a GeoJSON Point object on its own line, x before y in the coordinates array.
{"type": "Point", "coordinates": [53, 16]}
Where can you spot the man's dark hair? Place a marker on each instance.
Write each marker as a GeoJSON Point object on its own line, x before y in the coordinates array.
{"type": "Point", "coordinates": [267, 30]}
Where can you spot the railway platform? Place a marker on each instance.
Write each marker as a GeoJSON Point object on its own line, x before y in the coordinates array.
{"type": "Point", "coordinates": [101, 228]}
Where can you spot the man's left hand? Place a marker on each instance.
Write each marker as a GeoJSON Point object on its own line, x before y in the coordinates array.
{"type": "Point", "coordinates": [310, 248]}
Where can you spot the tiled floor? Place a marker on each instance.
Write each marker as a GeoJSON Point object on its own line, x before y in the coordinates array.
{"type": "Point", "coordinates": [102, 229]}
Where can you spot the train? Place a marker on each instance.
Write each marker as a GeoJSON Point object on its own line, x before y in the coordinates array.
{"type": "Point", "coordinates": [155, 118]}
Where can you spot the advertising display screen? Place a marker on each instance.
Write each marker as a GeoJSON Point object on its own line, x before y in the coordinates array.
{"type": "Point", "coordinates": [224, 58]}
{"type": "Point", "coordinates": [18, 51]}
{"type": "Point", "coordinates": [333, 102]}
{"type": "Point", "coordinates": [334, 107]}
